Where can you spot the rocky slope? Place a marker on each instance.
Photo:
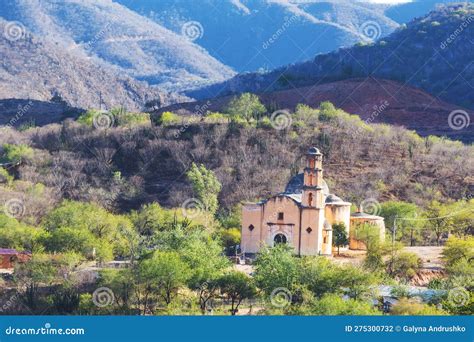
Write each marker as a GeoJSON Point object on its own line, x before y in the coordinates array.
{"type": "Point", "coordinates": [32, 68]}
{"type": "Point", "coordinates": [374, 100]}
{"type": "Point", "coordinates": [434, 53]}
{"type": "Point", "coordinates": [118, 37]}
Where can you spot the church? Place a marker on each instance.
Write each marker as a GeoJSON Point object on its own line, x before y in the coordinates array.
{"type": "Point", "coordinates": [302, 216]}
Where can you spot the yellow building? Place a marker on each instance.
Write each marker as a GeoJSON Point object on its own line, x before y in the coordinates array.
{"type": "Point", "coordinates": [301, 216]}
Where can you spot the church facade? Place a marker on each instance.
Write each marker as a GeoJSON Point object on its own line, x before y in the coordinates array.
{"type": "Point", "coordinates": [302, 216]}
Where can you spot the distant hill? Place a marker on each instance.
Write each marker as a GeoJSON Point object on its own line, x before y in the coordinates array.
{"type": "Point", "coordinates": [422, 55]}
{"type": "Point", "coordinates": [374, 100]}
{"type": "Point", "coordinates": [238, 32]}
{"type": "Point", "coordinates": [40, 70]}
{"type": "Point", "coordinates": [120, 38]}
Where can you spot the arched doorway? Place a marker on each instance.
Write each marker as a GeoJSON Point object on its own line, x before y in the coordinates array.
{"type": "Point", "coordinates": [279, 239]}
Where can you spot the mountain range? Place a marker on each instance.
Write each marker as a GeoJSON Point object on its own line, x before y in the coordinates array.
{"type": "Point", "coordinates": [434, 53]}
{"type": "Point", "coordinates": [249, 35]}
{"type": "Point", "coordinates": [118, 38]}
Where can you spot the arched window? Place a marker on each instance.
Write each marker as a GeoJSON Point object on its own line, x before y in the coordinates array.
{"type": "Point", "coordinates": [251, 227]}
{"type": "Point", "coordinates": [279, 238]}
{"type": "Point", "coordinates": [310, 199]}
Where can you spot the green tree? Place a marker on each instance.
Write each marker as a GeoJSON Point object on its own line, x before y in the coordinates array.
{"type": "Point", "coordinates": [17, 235]}
{"type": "Point", "coordinates": [439, 220]}
{"type": "Point", "coordinates": [339, 233]}
{"type": "Point", "coordinates": [39, 271]}
{"type": "Point", "coordinates": [206, 186]}
{"type": "Point", "coordinates": [332, 305]}
{"type": "Point", "coordinates": [404, 265]}
{"type": "Point", "coordinates": [327, 111]}
{"type": "Point", "coordinates": [276, 267]}
{"type": "Point", "coordinates": [87, 229]}
{"type": "Point", "coordinates": [401, 215]}
{"type": "Point", "coordinates": [167, 271]}
{"type": "Point", "coordinates": [247, 106]}
{"type": "Point", "coordinates": [462, 219]}
{"type": "Point", "coordinates": [152, 218]}
{"type": "Point", "coordinates": [123, 285]}
{"type": "Point", "coordinates": [369, 235]}
{"type": "Point", "coordinates": [236, 286]}
{"type": "Point", "coordinates": [321, 276]}
{"type": "Point", "coordinates": [204, 256]}
{"type": "Point", "coordinates": [458, 252]}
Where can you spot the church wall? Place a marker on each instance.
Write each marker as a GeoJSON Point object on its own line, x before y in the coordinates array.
{"type": "Point", "coordinates": [339, 213]}
{"type": "Point", "coordinates": [250, 240]}
{"type": "Point", "coordinates": [288, 226]}
{"type": "Point", "coordinates": [311, 243]}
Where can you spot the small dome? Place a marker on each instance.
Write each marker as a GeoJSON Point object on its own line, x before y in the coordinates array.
{"type": "Point", "coordinates": [313, 151]}
{"type": "Point", "coordinates": [295, 185]}
{"type": "Point", "coordinates": [333, 199]}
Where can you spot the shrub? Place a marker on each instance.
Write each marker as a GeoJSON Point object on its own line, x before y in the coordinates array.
{"type": "Point", "coordinates": [458, 255]}
{"type": "Point", "coordinates": [215, 118]}
{"type": "Point", "coordinates": [332, 305]}
{"type": "Point", "coordinates": [327, 111]}
{"type": "Point", "coordinates": [16, 153]}
{"type": "Point", "coordinates": [5, 177]}
{"type": "Point", "coordinates": [132, 119]}
{"type": "Point", "coordinates": [405, 265]}
{"type": "Point", "coordinates": [247, 106]}
{"type": "Point", "coordinates": [168, 118]}
{"type": "Point", "coordinates": [407, 307]}
{"type": "Point", "coordinates": [265, 123]}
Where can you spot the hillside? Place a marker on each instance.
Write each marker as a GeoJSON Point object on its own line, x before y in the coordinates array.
{"type": "Point", "coordinates": [119, 38]}
{"type": "Point", "coordinates": [374, 100]}
{"type": "Point", "coordinates": [238, 32]}
{"type": "Point", "coordinates": [125, 168]}
{"type": "Point", "coordinates": [419, 55]}
{"type": "Point", "coordinates": [36, 69]}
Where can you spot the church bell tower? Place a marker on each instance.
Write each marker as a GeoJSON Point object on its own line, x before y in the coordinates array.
{"type": "Point", "coordinates": [313, 180]}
